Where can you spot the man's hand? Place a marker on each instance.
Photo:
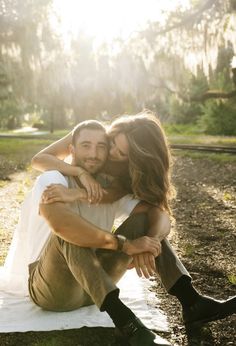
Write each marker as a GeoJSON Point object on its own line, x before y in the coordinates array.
{"type": "Point", "coordinates": [144, 264]}
{"type": "Point", "coordinates": [60, 193]}
{"type": "Point", "coordinates": [142, 244]}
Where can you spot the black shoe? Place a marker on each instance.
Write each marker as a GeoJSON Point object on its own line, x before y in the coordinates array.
{"type": "Point", "coordinates": [207, 309]}
{"type": "Point", "coordinates": [135, 333]}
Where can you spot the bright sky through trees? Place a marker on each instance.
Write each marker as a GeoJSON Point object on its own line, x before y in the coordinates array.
{"type": "Point", "coordinates": [107, 19]}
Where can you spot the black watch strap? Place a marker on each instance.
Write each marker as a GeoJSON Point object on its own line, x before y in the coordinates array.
{"type": "Point", "coordinates": [121, 239]}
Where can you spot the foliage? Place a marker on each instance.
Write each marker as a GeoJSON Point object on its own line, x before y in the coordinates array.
{"type": "Point", "coordinates": [219, 117]}
{"type": "Point", "coordinates": [166, 68]}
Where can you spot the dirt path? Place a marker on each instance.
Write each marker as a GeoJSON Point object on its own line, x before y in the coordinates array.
{"type": "Point", "coordinates": [205, 239]}
{"type": "Point", "coordinates": [204, 236]}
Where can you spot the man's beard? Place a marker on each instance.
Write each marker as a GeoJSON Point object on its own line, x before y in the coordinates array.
{"type": "Point", "coordinates": [86, 164]}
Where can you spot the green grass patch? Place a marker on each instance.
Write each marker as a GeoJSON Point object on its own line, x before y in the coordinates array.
{"type": "Point", "coordinates": [15, 154]}
{"type": "Point", "coordinates": [218, 157]}
{"type": "Point", "coordinates": [192, 134]}
{"type": "Point", "coordinates": [37, 134]}
{"type": "Point", "coordinates": [189, 250]}
{"type": "Point", "coordinates": [232, 279]}
{"type": "Point", "coordinates": [182, 129]}
{"type": "Point", "coordinates": [228, 196]}
{"type": "Point", "coordinates": [202, 139]}
{"type": "Point", "coordinates": [14, 146]}
{"type": "Point", "coordinates": [3, 183]}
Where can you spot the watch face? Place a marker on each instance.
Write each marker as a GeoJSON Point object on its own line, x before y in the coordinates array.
{"type": "Point", "coordinates": [120, 241]}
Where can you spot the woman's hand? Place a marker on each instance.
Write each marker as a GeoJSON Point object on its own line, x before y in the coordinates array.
{"type": "Point", "coordinates": [142, 245]}
{"type": "Point", "coordinates": [144, 264]}
{"type": "Point", "coordinates": [60, 193]}
{"type": "Point", "coordinates": [94, 190]}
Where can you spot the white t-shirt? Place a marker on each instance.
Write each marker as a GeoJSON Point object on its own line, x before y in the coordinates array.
{"type": "Point", "coordinates": [32, 231]}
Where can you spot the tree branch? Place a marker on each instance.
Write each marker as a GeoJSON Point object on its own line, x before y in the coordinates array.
{"type": "Point", "coordinates": [209, 94]}
{"type": "Point", "coordinates": [190, 17]}
{"type": "Point", "coordinates": [213, 94]}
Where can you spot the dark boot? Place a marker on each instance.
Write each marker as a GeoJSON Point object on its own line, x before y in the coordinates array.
{"type": "Point", "coordinates": [135, 333]}
{"type": "Point", "coordinates": [207, 309]}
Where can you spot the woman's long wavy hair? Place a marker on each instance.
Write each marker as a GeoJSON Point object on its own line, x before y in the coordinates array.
{"type": "Point", "coordinates": [149, 158]}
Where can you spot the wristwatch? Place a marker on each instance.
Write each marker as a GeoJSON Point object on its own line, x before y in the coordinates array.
{"type": "Point", "coordinates": [121, 239]}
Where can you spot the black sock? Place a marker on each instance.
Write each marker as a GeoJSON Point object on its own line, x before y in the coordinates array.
{"type": "Point", "coordinates": [184, 291]}
{"type": "Point", "coordinates": [119, 312]}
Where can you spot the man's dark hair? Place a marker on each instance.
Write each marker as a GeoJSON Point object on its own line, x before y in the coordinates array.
{"type": "Point", "coordinates": [87, 124]}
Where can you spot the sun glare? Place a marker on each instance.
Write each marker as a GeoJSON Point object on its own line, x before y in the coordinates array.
{"type": "Point", "coordinates": [107, 19]}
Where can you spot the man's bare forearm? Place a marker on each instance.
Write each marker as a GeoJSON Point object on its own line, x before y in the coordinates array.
{"type": "Point", "coordinates": [71, 227]}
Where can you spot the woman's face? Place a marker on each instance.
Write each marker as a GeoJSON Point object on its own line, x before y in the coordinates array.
{"type": "Point", "coordinates": [119, 148]}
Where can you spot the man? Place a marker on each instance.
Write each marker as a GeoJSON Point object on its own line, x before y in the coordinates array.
{"type": "Point", "coordinates": [69, 272]}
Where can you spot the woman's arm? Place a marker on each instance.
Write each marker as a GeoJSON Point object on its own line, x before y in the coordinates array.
{"type": "Point", "coordinates": [51, 158]}
{"type": "Point", "coordinates": [158, 220]}
{"type": "Point", "coordinates": [159, 223]}
{"type": "Point", "coordinates": [159, 228]}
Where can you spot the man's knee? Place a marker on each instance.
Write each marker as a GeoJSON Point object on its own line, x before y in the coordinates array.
{"type": "Point", "coordinates": [135, 226]}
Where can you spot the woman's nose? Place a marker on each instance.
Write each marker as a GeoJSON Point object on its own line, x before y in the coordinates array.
{"type": "Point", "coordinates": [112, 151]}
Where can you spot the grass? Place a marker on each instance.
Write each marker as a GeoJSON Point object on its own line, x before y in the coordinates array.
{"type": "Point", "coordinates": [15, 154]}
{"type": "Point", "coordinates": [202, 139]}
{"type": "Point", "coordinates": [3, 183]}
{"type": "Point", "coordinates": [189, 250]}
{"type": "Point", "coordinates": [37, 134]}
{"type": "Point", "coordinates": [232, 279]}
{"type": "Point", "coordinates": [14, 146]}
{"type": "Point", "coordinates": [191, 134]}
{"type": "Point", "coordinates": [218, 157]}
{"type": "Point", "coordinates": [176, 133]}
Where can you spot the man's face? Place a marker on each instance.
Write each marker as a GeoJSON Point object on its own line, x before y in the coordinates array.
{"type": "Point", "coordinates": [91, 150]}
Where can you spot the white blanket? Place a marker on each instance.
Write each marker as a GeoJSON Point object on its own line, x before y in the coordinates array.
{"type": "Point", "coordinates": [19, 314]}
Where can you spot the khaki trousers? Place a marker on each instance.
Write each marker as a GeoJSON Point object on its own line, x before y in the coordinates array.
{"type": "Point", "coordinates": [67, 276]}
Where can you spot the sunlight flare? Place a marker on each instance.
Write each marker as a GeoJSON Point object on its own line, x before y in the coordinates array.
{"type": "Point", "coordinates": [105, 19]}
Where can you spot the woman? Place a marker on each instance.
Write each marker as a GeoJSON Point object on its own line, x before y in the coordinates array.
{"type": "Point", "coordinates": [139, 157]}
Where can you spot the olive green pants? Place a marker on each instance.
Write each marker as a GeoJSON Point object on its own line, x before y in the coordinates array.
{"type": "Point", "coordinates": [67, 276]}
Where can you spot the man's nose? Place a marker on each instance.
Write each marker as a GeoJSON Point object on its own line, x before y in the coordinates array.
{"type": "Point", "coordinates": [93, 152]}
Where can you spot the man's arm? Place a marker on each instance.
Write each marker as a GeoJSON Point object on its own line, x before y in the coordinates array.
{"type": "Point", "coordinates": [71, 227]}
